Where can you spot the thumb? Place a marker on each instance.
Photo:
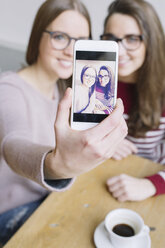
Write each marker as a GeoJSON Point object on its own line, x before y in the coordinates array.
{"type": "Point", "coordinates": [63, 111]}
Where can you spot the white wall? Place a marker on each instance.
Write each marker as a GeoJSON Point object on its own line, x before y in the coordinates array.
{"type": "Point", "coordinates": [98, 11]}
{"type": "Point", "coordinates": [16, 17]}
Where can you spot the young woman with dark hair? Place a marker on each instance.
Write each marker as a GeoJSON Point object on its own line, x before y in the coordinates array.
{"type": "Point", "coordinates": [138, 31]}
{"type": "Point", "coordinates": [104, 89]}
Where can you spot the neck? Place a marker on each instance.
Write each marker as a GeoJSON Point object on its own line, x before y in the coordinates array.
{"type": "Point", "coordinates": [128, 79]}
{"type": "Point", "coordinates": [39, 79]}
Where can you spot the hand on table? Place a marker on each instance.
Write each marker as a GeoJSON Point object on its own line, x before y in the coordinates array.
{"type": "Point", "coordinates": [77, 152]}
{"type": "Point", "coordinates": [128, 188]}
{"type": "Point", "coordinates": [124, 149]}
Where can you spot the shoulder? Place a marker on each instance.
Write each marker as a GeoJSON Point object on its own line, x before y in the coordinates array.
{"type": "Point", "coordinates": [11, 79]}
{"type": "Point", "coordinates": [11, 93]}
{"type": "Point", "coordinates": [8, 76]}
{"type": "Point", "coordinates": [13, 83]}
{"type": "Point", "coordinates": [13, 90]}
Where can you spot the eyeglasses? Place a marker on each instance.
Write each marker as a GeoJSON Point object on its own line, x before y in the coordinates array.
{"type": "Point", "coordinates": [62, 40]}
{"type": "Point", "coordinates": [130, 42]}
{"type": "Point", "coordinates": [105, 76]}
{"type": "Point", "coordinates": [87, 76]}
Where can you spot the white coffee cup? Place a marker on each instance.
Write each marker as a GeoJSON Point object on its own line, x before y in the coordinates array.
{"type": "Point", "coordinates": [127, 217]}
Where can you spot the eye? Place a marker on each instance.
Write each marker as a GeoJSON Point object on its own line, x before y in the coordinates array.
{"type": "Point", "coordinates": [132, 39]}
{"type": "Point", "coordinates": [108, 37]}
{"type": "Point", "coordinates": [59, 37]}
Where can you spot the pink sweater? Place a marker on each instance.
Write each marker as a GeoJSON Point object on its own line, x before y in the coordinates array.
{"type": "Point", "coordinates": [26, 136]}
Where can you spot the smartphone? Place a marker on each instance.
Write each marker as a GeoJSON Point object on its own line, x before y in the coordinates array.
{"type": "Point", "coordinates": [94, 82]}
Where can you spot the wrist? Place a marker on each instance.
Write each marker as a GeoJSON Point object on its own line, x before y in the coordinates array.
{"type": "Point", "coordinates": [158, 182]}
{"type": "Point", "coordinates": [54, 167]}
{"type": "Point", "coordinates": [50, 166]}
{"type": "Point", "coordinates": [150, 187]}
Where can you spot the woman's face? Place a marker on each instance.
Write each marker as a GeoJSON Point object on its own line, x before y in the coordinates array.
{"type": "Point", "coordinates": [58, 63]}
{"type": "Point", "coordinates": [103, 77]}
{"type": "Point", "coordinates": [121, 25]}
{"type": "Point", "coordinates": [89, 77]}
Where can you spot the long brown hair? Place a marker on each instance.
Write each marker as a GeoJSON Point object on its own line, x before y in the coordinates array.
{"type": "Point", "coordinates": [150, 86]}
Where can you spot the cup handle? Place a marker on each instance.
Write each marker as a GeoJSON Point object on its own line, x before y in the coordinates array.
{"type": "Point", "coordinates": [145, 230]}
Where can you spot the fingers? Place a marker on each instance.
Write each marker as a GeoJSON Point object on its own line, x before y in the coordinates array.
{"type": "Point", "coordinates": [120, 194]}
{"type": "Point", "coordinates": [109, 123]}
{"type": "Point", "coordinates": [122, 153]}
{"type": "Point", "coordinates": [105, 146]}
{"type": "Point", "coordinates": [63, 110]}
{"type": "Point", "coordinates": [118, 188]}
{"type": "Point", "coordinates": [111, 141]}
{"type": "Point", "coordinates": [112, 180]}
{"type": "Point", "coordinates": [130, 146]}
{"type": "Point", "coordinates": [124, 149]}
{"type": "Point", "coordinates": [117, 156]}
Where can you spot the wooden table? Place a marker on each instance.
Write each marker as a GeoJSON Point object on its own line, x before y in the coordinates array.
{"type": "Point", "coordinates": [68, 219]}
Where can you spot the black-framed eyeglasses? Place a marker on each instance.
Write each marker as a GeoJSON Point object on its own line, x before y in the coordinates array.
{"type": "Point", "coordinates": [105, 76]}
{"type": "Point", "coordinates": [87, 76]}
{"type": "Point", "coordinates": [61, 40]}
{"type": "Point", "coordinates": [130, 42]}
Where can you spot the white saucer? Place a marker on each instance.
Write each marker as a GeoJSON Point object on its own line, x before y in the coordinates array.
{"type": "Point", "coordinates": [101, 238]}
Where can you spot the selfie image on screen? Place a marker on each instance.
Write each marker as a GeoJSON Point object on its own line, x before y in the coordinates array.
{"type": "Point", "coordinates": [94, 86]}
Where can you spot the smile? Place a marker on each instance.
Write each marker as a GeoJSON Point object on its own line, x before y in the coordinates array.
{"type": "Point", "coordinates": [123, 62]}
{"type": "Point", "coordinates": [65, 63]}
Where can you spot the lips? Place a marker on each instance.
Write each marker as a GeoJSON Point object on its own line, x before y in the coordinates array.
{"type": "Point", "coordinates": [123, 62]}
{"type": "Point", "coordinates": [65, 63]}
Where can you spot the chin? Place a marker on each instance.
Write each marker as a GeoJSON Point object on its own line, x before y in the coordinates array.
{"type": "Point", "coordinates": [65, 74]}
{"type": "Point", "coordinates": [124, 73]}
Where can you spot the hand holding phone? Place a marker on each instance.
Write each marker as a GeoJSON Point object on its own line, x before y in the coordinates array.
{"type": "Point", "coordinates": [94, 82]}
{"type": "Point", "coordinates": [77, 152]}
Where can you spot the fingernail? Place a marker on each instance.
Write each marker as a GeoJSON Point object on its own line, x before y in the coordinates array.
{"type": "Point", "coordinates": [120, 100]}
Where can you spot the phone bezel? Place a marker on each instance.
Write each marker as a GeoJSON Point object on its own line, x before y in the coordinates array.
{"type": "Point", "coordinates": [94, 46]}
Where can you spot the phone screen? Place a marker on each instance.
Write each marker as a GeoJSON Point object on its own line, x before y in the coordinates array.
{"type": "Point", "coordinates": [94, 85]}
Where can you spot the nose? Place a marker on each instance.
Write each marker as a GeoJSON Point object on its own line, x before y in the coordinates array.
{"type": "Point", "coordinates": [69, 49]}
{"type": "Point", "coordinates": [122, 50]}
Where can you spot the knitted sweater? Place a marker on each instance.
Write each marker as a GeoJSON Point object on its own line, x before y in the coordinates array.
{"type": "Point", "coordinates": [152, 146]}
{"type": "Point", "coordinates": [26, 136]}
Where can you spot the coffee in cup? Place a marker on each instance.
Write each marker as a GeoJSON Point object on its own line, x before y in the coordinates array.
{"type": "Point", "coordinates": [125, 227]}
{"type": "Point", "coordinates": [123, 230]}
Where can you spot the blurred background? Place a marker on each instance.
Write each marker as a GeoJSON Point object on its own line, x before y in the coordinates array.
{"type": "Point", "coordinates": [16, 18]}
